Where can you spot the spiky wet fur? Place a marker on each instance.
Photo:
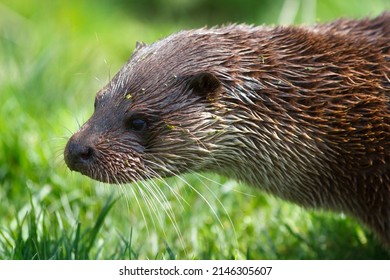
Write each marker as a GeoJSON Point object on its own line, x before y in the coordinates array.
{"type": "Point", "coordinates": [300, 112]}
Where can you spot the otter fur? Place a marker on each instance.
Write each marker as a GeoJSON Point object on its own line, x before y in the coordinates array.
{"type": "Point", "coordinates": [301, 112]}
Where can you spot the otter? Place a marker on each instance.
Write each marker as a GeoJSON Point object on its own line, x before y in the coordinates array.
{"type": "Point", "coordinates": [301, 112]}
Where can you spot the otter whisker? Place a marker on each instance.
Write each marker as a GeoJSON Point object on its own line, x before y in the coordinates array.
{"type": "Point", "coordinates": [141, 209]}
{"type": "Point", "coordinates": [181, 178]}
{"type": "Point", "coordinates": [151, 205]}
{"type": "Point", "coordinates": [159, 196]}
{"type": "Point", "coordinates": [124, 193]}
{"type": "Point", "coordinates": [168, 211]}
{"type": "Point", "coordinates": [177, 195]}
{"type": "Point", "coordinates": [152, 196]}
{"type": "Point", "coordinates": [221, 185]}
{"type": "Point", "coordinates": [221, 204]}
{"type": "Point", "coordinates": [126, 196]}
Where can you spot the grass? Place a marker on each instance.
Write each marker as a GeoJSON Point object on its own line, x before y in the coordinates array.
{"type": "Point", "coordinates": [53, 58]}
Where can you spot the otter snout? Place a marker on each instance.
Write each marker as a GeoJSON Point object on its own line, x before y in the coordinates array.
{"type": "Point", "coordinates": [79, 154]}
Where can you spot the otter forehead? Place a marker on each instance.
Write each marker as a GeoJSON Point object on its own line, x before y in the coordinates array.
{"type": "Point", "coordinates": [185, 53]}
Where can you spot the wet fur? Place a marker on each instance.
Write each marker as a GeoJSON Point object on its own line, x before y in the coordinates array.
{"type": "Point", "coordinates": [302, 113]}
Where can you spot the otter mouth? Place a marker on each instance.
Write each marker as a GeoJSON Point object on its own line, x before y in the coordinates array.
{"type": "Point", "coordinates": [111, 168]}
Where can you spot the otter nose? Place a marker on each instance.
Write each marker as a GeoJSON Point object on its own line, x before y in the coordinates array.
{"type": "Point", "coordinates": [78, 155]}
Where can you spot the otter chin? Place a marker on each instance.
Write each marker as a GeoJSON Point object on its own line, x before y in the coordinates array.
{"type": "Point", "coordinates": [300, 112]}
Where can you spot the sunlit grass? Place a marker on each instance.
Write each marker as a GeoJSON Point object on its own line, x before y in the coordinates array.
{"type": "Point", "coordinates": [53, 58]}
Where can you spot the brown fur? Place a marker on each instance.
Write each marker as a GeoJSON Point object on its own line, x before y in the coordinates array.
{"type": "Point", "coordinates": [300, 112]}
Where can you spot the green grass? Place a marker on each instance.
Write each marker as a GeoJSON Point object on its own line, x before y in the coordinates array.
{"type": "Point", "coordinates": [53, 58]}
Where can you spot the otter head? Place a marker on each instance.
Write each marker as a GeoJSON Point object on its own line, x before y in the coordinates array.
{"type": "Point", "coordinates": [151, 120]}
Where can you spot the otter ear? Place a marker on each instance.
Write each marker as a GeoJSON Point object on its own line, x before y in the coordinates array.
{"type": "Point", "coordinates": [204, 84]}
{"type": "Point", "coordinates": [139, 45]}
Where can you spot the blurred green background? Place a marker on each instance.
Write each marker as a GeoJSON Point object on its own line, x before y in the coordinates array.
{"type": "Point", "coordinates": [54, 56]}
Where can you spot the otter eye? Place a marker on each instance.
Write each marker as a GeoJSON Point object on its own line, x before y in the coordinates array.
{"type": "Point", "coordinates": [137, 124]}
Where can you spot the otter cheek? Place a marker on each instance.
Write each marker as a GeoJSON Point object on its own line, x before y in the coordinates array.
{"type": "Point", "coordinates": [79, 154]}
